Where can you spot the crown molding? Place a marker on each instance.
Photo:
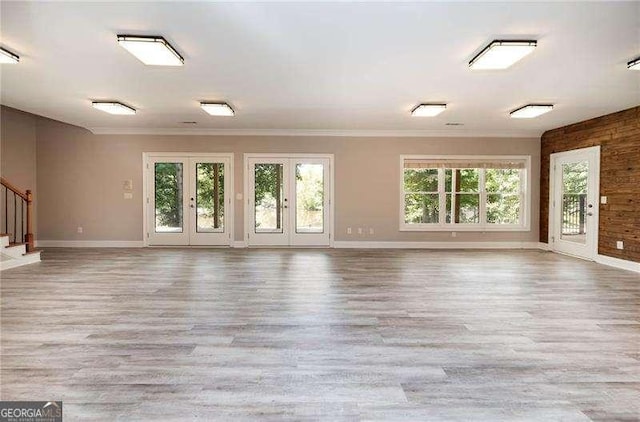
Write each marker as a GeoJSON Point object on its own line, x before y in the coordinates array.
{"type": "Point", "coordinates": [309, 132]}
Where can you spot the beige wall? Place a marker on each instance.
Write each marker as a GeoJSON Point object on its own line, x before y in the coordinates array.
{"type": "Point", "coordinates": [80, 178]}
{"type": "Point", "coordinates": [18, 152]}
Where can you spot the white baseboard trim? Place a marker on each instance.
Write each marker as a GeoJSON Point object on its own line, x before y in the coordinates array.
{"type": "Point", "coordinates": [544, 246]}
{"type": "Point", "coordinates": [618, 263]}
{"type": "Point", "coordinates": [341, 244]}
{"type": "Point", "coordinates": [89, 243]}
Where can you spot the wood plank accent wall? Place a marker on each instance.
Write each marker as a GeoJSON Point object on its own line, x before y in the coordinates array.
{"type": "Point", "coordinates": [618, 135]}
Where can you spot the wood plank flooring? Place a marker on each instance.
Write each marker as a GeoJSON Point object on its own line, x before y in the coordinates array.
{"type": "Point", "coordinates": [212, 334]}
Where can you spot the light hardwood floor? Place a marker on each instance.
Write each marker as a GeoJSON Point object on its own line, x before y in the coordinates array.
{"type": "Point", "coordinates": [170, 334]}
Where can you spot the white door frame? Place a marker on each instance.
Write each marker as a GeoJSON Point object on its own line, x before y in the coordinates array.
{"type": "Point", "coordinates": [594, 186]}
{"type": "Point", "coordinates": [246, 177]}
{"type": "Point", "coordinates": [146, 156]}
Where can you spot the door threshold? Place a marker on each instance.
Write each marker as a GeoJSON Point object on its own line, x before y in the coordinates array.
{"type": "Point", "coordinates": [289, 247]}
{"type": "Point", "coordinates": [573, 256]}
{"type": "Point", "coordinates": [189, 246]}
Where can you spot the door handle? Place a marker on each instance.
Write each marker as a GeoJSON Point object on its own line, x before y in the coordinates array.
{"type": "Point", "coordinates": [286, 206]}
{"type": "Point", "coordinates": [191, 206]}
{"type": "Point", "coordinates": [589, 214]}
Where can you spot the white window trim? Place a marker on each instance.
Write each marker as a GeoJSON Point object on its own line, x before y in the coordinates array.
{"type": "Point", "coordinates": [525, 226]}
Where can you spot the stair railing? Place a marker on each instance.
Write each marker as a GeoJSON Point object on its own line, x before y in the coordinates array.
{"type": "Point", "coordinates": [18, 213]}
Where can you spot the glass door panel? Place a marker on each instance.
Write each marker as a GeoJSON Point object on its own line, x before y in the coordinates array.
{"type": "Point", "coordinates": [169, 204]}
{"type": "Point", "coordinates": [309, 198]}
{"type": "Point", "coordinates": [310, 190]}
{"type": "Point", "coordinates": [269, 199]}
{"type": "Point", "coordinates": [574, 201]}
{"type": "Point", "coordinates": [209, 197]}
{"type": "Point", "coordinates": [268, 202]}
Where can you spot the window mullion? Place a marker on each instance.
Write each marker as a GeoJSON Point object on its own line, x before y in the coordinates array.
{"type": "Point", "coordinates": [442, 197]}
{"type": "Point", "coordinates": [483, 196]}
{"type": "Point", "coordinates": [523, 197]}
{"type": "Point", "coordinates": [454, 196]}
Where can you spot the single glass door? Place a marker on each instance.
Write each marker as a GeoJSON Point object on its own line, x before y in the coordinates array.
{"type": "Point", "coordinates": [310, 219]}
{"type": "Point", "coordinates": [269, 202]}
{"type": "Point", "coordinates": [168, 201]}
{"type": "Point", "coordinates": [575, 202]}
{"type": "Point", "coordinates": [208, 201]}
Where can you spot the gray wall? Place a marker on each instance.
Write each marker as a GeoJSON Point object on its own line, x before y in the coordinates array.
{"type": "Point", "coordinates": [80, 178]}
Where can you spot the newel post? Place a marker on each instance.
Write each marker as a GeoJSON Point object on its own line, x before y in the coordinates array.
{"type": "Point", "coordinates": [28, 237]}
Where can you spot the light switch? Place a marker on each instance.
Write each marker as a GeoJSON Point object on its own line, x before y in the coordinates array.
{"type": "Point", "coordinates": [127, 185]}
{"type": "Point", "coordinates": [128, 195]}
{"type": "Point", "coordinates": [603, 199]}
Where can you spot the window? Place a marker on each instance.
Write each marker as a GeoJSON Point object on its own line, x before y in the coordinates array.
{"type": "Point", "coordinates": [464, 193]}
{"type": "Point", "coordinates": [422, 204]}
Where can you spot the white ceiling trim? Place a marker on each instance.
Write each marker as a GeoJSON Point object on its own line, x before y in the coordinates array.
{"type": "Point", "coordinates": [309, 132]}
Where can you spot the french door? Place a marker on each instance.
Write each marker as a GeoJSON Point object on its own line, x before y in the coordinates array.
{"type": "Point", "coordinates": [189, 200]}
{"type": "Point", "coordinates": [573, 211]}
{"type": "Point", "coordinates": [288, 201]}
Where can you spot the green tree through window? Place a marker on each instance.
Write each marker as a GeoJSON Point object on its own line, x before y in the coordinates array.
{"type": "Point", "coordinates": [210, 195]}
{"type": "Point", "coordinates": [471, 192]}
{"type": "Point", "coordinates": [168, 195]}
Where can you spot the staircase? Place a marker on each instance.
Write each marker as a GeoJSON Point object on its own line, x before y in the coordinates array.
{"type": "Point", "coordinates": [15, 218]}
{"type": "Point", "coordinates": [15, 254]}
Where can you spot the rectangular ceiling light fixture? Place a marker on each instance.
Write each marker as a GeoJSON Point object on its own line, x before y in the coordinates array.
{"type": "Point", "coordinates": [8, 57]}
{"type": "Point", "coordinates": [428, 110]}
{"type": "Point", "coordinates": [217, 109]}
{"type": "Point", "coordinates": [531, 110]}
{"type": "Point", "coordinates": [500, 54]}
{"type": "Point", "coordinates": [151, 50]}
{"type": "Point", "coordinates": [634, 64]}
{"type": "Point", "coordinates": [112, 107]}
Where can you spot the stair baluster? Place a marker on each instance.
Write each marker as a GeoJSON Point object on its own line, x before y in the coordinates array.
{"type": "Point", "coordinates": [24, 220]}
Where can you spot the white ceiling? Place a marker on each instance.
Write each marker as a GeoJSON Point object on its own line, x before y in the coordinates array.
{"type": "Point", "coordinates": [321, 67]}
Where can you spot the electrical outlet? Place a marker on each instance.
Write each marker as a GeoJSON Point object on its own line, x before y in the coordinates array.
{"type": "Point", "coordinates": [348, 230]}
{"type": "Point", "coordinates": [454, 234]}
{"type": "Point", "coordinates": [359, 230]}
{"type": "Point", "coordinates": [370, 230]}
{"type": "Point", "coordinates": [80, 229]}
{"type": "Point", "coordinates": [128, 195]}
{"type": "Point", "coordinates": [620, 244]}
{"type": "Point", "coordinates": [603, 199]}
